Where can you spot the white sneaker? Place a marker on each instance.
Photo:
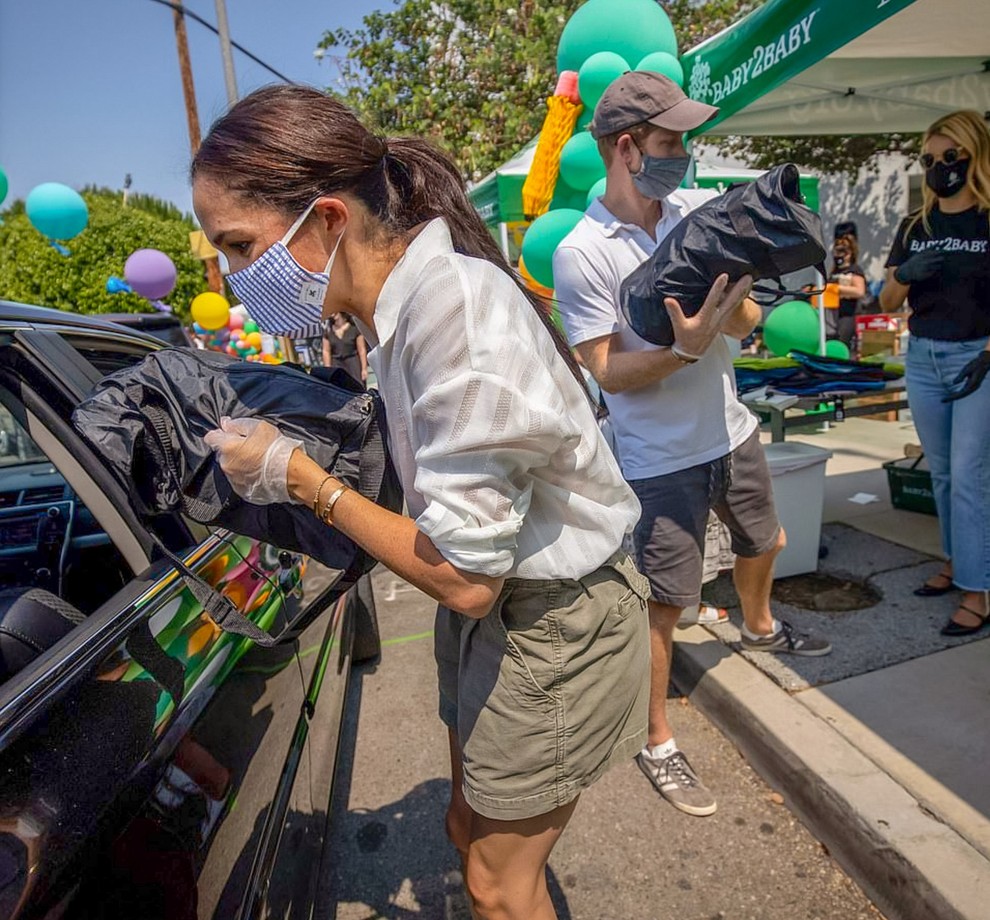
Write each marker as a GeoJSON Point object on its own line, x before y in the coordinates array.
{"type": "Point", "coordinates": [703, 615]}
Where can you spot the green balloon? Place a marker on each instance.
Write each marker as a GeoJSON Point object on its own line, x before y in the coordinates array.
{"type": "Point", "coordinates": [4, 186]}
{"type": "Point", "coordinates": [836, 349]}
{"type": "Point", "coordinates": [251, 326]}
{"type": "Point", "coordinates": [597, 190]}
{"type": "Point", "coordinates": [542, 239]}
{"type": "Point", "coordinates": [596, 73]}
{"type": "Point", "coordinates": [665, 63]}
{"type": "Point", "coordinates": [584, 119]}
{"type": "Point", "coordinates": [566, 197]}
{"type": "Point", "coordinates": [581, 165]}
{"type": "Point", "coordinates": [791, 325]}
{"type": "Point", "coordinates": [630, 28]}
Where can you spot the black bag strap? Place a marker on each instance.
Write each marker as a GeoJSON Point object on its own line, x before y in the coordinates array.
{"type": "Point", "coordinates": [371, 469]}
{"type": "Point", "coordinates": [220, 609]}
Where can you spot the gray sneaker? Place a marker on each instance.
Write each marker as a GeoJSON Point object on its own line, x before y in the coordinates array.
{"type": "Point", "coordinates": [788, 640]}
{"type": "Point", "coordinates": [677, 782]}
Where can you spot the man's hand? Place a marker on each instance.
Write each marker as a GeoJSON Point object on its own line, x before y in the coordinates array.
{"type": "Point", "coordinates": [693, 334]}
{"type": "Point", "coordinates": [254, 456]}
{"type": "Point", "coordinates": [920, 267]}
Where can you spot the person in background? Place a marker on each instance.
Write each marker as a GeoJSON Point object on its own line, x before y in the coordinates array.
{"type": "Point", "coordinates": [685, 442]}
{"type": "Point", "coordinates": [851, 281]}
{"type": "Point", "coordinates": [517, 509]}
{"type": "Point", "coordinates": [344, 346]}
{"type": "Point", "coordinates": [940, 263]}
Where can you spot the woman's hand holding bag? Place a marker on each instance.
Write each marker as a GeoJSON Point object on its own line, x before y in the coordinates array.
{"type": "Point", "coordinates": [254, 456]}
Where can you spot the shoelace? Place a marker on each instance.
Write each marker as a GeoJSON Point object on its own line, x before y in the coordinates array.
{"type": "Point", "coordinates": [678, 765]}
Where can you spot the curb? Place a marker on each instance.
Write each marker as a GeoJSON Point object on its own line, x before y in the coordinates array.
{"type": "Point", "coordinates": [910, 864]}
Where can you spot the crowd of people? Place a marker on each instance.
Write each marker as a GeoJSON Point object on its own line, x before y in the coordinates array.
{"type": "Point", "coordinates": [552, 640]}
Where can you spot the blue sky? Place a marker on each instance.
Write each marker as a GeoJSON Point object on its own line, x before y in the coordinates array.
{"type": "Point", "coordinates": [90, 89]}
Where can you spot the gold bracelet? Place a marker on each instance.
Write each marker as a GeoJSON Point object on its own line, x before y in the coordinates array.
{"type": "Point", "coordinates": [331, 501]}
{"type": "Point", "coordinates": [316, 498]}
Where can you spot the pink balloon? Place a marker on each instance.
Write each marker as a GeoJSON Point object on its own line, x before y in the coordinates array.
{"type": "Point", "coordinates": [236, 321]}
{"type": "Point", "coordinates": [150, 273]}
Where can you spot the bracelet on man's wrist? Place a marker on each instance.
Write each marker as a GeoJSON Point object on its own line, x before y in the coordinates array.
{"type": "Point", "coordinates": [683, 356]}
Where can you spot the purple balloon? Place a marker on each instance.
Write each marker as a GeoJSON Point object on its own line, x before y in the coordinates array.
{"type": "Point", "coordinates": [150, 273]}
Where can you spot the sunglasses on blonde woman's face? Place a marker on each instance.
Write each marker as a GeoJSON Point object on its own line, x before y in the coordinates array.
{"type": "Point", "coordinates": [949, 156]}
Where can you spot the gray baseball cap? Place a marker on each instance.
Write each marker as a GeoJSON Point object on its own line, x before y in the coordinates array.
{"type": "Point", "coordinates": [643, 95]}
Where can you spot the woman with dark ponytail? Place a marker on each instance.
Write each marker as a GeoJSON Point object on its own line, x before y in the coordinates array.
{"type": "Point", "coordinates": [517, 508]}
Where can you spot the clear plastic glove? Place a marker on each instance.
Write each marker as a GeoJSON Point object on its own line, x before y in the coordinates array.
{"type": "Point", "coordinates": [920, 267]}
{"type": "Point", "coordinates": [254, 456]}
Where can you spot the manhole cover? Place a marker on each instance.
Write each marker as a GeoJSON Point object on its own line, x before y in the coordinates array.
{"type": "Point", "coordinates": [824, 592]}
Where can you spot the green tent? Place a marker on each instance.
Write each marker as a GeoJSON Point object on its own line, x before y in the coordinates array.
{"type": "Point", "coordinates": [498, 197]}
{"type": "Point", "coordinates": [795, 67]}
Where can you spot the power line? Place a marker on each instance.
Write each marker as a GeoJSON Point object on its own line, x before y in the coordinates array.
{"type": "Point", "coordinates": [179, 8]}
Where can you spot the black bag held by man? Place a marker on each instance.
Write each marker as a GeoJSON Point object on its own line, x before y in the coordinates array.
{"type": "Point", "coordinates": [760, 228]}
{"type": "Point", "coordinates": [148, 422]}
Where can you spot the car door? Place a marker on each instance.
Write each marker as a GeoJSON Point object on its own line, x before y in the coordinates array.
{"type": "Point", "coordinates": [150, 763]}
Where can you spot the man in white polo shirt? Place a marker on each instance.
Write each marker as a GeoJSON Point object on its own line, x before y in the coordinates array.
{"type": "Point", "coordinates": [685, 443]}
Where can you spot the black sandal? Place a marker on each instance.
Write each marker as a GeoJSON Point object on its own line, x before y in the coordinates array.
{"type": "Point", "coordinates": [930, 590]}
{"type": "Point", "coordinates": [952, 628]}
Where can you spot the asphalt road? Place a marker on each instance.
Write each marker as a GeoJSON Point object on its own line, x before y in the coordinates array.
{"type": "Point", "coordinates": [626, 853]}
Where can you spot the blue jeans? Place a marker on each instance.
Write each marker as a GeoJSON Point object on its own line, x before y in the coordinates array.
{"type": "Point", "coordinates": [956, 439]}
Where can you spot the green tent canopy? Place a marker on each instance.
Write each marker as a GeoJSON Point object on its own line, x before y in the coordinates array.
{"type": "Point", "coordinates": [795, 67]}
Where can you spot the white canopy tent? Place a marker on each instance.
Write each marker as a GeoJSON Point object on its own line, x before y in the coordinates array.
{"type": "Point", "coordinates": [797, 67]}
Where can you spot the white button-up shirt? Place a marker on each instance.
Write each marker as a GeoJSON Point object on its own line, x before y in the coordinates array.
{"type": "Point", "coordinates": [495, 443]}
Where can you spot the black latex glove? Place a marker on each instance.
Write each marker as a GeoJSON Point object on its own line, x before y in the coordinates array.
{"type": "Point", "coordinates": [971, 376]}
{"type": "Point", "coordinates": [920, 266]}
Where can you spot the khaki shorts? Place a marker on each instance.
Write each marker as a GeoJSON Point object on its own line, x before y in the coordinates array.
{"type": "Point", "coordinates": [549, 689]}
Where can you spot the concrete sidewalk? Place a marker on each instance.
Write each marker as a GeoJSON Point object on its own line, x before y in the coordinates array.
{"type": "Point", "coordinates": [882, 747]}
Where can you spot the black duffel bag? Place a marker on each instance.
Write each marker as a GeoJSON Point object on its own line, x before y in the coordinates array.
{"type": "Point", "coordinates": [148, 422]}
{"type": "Point", "coordinates": [760, 228]}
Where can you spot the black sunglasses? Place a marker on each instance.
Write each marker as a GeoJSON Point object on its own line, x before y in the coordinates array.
{"type": "Point", "coordinates": [948, 157]}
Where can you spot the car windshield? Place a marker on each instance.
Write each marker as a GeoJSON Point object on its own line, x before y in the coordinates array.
{"type": "Point", "coordinates": [16, 445]}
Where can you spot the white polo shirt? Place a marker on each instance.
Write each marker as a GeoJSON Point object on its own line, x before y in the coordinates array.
{"type": "Point", "coordinates": [494, 441]}
{"type": "Point", "coordinates": [692, 416]}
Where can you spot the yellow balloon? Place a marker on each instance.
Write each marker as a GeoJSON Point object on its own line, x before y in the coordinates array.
{"type": "Point", "coordinates": [254, 340]}
{"type": "Point", "coordinates": [210, 310]}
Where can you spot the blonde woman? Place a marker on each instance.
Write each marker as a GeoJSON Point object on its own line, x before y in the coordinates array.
{"type": "Point", "coordinates": [940, 262]}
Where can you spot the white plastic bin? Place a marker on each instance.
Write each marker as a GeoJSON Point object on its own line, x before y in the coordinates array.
{"type": "Point", "coordinates": [798, 475]}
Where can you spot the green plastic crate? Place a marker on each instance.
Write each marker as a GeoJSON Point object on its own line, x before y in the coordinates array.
{"type": "Point", "coordinates": [910, 486]}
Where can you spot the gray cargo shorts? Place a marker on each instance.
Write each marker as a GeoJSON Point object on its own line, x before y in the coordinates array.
{"type": "Point", "coordinates": [549, 689]}
{"type": "Point", "coordinates": [670, 535]}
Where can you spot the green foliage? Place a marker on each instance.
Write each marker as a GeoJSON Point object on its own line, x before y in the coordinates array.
{"type": "Point", "coordinates": [472, 75]}
{"type": "Point", "coordinates": [34, 272]}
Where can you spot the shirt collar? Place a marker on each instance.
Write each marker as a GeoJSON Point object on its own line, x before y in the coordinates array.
{"type": "Point", "coordinates": [433, 240]}
{"type": "Point", "coordinates": [610, 225]}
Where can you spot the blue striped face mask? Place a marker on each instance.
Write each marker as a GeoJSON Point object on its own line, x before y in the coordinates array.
{"type": "Point", "coordinates": [282, 297]}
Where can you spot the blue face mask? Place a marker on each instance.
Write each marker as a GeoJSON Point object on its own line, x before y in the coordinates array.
{"type": "Point", "coordinates": [659, 176]}
{"type": "Point", "coordinates": [282, 297]}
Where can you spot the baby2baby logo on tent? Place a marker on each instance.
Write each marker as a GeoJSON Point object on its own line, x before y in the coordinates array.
{"type": "Point", "coordinates": [762, 59]}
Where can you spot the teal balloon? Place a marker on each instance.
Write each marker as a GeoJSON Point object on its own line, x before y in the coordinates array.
{"type": "Point", "coordinates": [665, 63]}
{"type": "Point", "coordinates": [791, 325]}
{"type": "Point", "coordinates": [566, 197]}
{"type": "Point", "coordinates": [836, 349]}
{"type": "Point", "coordinates": [542, 239]}
{"type": "Point", "coordinates": [596, 191]}
{"type": "Point", "coordinates": [584, 119]}
{"type": "Point", "coordinates": [630, 28]}
{"type": "Point", "coordinates": [581, 165]}
{"type": "Point", "coordinates": [56, 211]}
{"type": "Point", "coordinates": [4, 185]}
{"type": "Point", "coordinates": [596, 73]}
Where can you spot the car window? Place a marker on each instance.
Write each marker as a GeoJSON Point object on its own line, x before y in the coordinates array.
{"type": "Point", "coordinates": [49, 538]}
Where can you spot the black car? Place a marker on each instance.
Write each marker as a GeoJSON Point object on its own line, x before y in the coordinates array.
{"type": "Point", "coordinates": [151, 765]}
{"type": "Point", "coordinates": [162, 326]}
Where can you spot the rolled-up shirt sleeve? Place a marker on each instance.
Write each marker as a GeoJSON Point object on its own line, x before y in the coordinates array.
{"type": "Point", "coordinates": [485, 412]}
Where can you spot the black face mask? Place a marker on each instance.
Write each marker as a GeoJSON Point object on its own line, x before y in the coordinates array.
{"type": "Point", "coordinates": [947, 179]}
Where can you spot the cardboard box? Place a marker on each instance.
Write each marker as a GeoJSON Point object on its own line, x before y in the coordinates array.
{"type": "Point", "coordinates": [879, 343]}
{"type": "Point", "coordinates": [878, 322]}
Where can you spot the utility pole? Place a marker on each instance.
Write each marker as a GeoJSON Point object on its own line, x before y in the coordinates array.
{"type": "Point", "coordinates": [214, 279]}
{"type": "Point", "coordinates": [229, 78]}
